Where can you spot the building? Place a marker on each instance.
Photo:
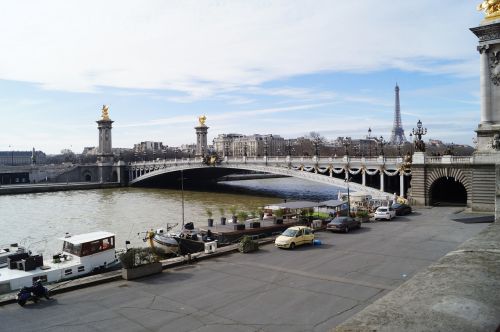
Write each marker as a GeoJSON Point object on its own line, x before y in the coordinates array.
{"type": "Point", "coordinates": [15, 158]}
{"type": "Point", "coordinates": [256, 145]}
{"type": "Point", "coordinates": [149, 146]}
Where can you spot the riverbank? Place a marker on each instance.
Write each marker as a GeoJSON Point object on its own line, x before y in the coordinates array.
{"type": "Point", "coordinates": [53, 187]}
{"type": "Point", "coordinates": [311, 288]}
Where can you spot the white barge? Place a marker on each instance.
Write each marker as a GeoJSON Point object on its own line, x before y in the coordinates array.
{"type": "Point", "coordinates": [81, 254]}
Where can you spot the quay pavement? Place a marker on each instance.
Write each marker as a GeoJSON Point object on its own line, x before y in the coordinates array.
{"type": "Point", "coordinates": [311, 288]}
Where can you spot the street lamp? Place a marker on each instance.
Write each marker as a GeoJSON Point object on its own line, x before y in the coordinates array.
{"type": "Point", "coordinates": [419, 132]}
{"type": "Point", "coordinates": [11, 148]}
{"type": "Point", "coordinates": [382, 143]}
{"type": "Point", "coordinates": [411, 143]}
{"type": "Point", "coordinates": [348, 197]}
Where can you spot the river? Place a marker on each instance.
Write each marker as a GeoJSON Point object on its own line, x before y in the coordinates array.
{"type": "Point", "coordinates": [37, 220]}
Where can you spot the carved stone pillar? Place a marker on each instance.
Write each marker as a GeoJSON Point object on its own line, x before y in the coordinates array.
{"type": "Point", "coordinates": [485, 84]}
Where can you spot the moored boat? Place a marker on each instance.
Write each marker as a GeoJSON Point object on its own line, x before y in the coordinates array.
{"type": "Point", "coordinates": [186, 241]}
{"type": "Point", "coordinates": [81, 254]}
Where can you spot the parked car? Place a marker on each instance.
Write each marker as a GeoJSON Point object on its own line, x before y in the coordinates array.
{"type": "Point", "coordinates": [401, 209]}
{"type": "Point", "coordinates": [343, 224]}
{"type": "Point", "coordinates": [384, 212]}
{"type": "Point", "coordinates": [294, 236]}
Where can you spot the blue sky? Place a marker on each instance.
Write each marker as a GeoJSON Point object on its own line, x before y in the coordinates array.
{"type": "Point", "coordinates": [282, 67]}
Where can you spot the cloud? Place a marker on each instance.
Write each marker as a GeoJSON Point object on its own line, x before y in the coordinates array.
{"type": "Point", "coordinates": [203, 48]}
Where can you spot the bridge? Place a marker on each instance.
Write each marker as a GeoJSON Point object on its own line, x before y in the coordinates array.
{"type": "Point", "coordinates": [377, 176]}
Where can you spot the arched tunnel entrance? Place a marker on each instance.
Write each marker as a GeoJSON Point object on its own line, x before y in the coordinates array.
{"type": "Point", "coordinates": [447, 191]}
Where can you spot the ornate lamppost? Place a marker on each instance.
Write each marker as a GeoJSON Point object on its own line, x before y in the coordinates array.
{"type": "Point", "coordinates": [411, 143]}
{"type": "Point", "coordinates": [382, 143]}
{"type": "Point", "coordinates": [419, 132]}
{"type": "Point", "coordinates": [316, 143]}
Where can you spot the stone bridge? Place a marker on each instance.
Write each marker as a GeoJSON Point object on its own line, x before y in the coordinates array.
{"type": "Point", "coordinates": [369, 175]}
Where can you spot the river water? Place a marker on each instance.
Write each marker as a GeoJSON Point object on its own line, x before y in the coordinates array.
{"type": "Point", "coordinates": [37, 220]}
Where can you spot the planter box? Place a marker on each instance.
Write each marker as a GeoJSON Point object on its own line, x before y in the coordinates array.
{"type": "Point", "coordinates": [239, 227]}
{"type": "Point", "coordinates": [141, 271]}
{"type": "Point", "coordinates": [210, 223]}
{"type": "Point", "coordinates": [222, 220]}
{"type": "Point", "coordinates": [254, 224]}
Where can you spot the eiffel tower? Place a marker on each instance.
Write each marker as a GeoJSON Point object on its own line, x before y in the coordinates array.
{"type": "Point", "coordinates": [398, 133]}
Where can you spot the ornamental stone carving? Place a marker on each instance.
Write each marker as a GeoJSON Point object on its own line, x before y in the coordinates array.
{"type": "Point", "coordinates": [495, 67]}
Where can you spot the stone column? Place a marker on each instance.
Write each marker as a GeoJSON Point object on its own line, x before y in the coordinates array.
{"type": "Point", "coordinates": [363, 178]}
{"type": "Point", "coordinates": [382, 187]}
{"type": "Point", "coordinates": [485, 84]}
{"type": "Point", "coordinates": [105, 151]}
{"type": "Point", "coordinates": [201, 140]}
{"type": "Point", "coordinates": [401, 184]}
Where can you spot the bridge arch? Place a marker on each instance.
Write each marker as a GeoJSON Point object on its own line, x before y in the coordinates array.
{"type": "Point", "coordinates": [151, 172]}
{"type": "Point", "coordinates": [449, 186]}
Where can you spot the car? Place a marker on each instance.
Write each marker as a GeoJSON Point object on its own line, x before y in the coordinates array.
{"type": "Point", "coordinates": [343, 224]}
{"type": "Point", "coordinates": [294, 236]}
{"type": "Point", "coordinates": [401, 209]}
{"type": "Point", "coordinates": [384, 212]}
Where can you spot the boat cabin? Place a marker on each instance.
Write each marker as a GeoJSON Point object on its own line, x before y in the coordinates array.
{"type": "Point", "coordinates": [88, 244]}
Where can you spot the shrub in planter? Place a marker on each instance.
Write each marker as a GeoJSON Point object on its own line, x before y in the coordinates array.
{"type": "Point", "coordinates": [279, 216]}
{"type": "Point", "coordinates": [233, 209]}
{"type": "Point", "coordinates": [139, 262]}
{"type": "Point", "coordinates": [222, 217]}
{"type": "Point", "coordinates": [248, 245]}
{"type": "Point", "coordinates": [362, 214]}
{"type": "Point", "coordinates": [209, 215]}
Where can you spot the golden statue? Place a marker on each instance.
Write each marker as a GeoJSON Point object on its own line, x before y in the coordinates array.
{"type": "Point", "coordinates": [491, 8]}
{"type": "Point", "coordinates": [105, 115]}
{"type": "Point", "coordinates": [202, 120]}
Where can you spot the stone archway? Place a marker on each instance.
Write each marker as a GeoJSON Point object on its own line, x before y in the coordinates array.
{"type": "Point", "coordinates": [448, 187]}
{"type": "Point", "coordinates": [448, 192]}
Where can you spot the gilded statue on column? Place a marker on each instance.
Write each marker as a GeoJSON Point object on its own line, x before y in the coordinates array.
{"type": "Point", "coordinates": [202, 120]}
{"type": "Point", "coordinates": [105, 115]}
{"type": "Point", "coordinates": [491, 8]}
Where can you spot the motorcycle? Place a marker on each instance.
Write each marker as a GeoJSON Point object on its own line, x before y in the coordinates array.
{"type": "Point", "coordinates": [34, 293]}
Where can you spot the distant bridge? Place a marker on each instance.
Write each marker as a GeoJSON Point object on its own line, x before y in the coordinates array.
{"type": "Point", "coordinates": [329, 170]}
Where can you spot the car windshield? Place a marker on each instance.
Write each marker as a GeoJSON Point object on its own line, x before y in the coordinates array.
{"type": "Point", "coordinates": [339, 220]}
{"type": "Point", "coordinates": [290, 232]}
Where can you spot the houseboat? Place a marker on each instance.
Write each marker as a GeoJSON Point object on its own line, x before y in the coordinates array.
{"type": "Point", "coordinates": [81, 254]}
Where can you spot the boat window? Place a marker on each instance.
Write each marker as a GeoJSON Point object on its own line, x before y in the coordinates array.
{"type": "Point", "coordinates": [107, 243]}
{"type": "Point", "coordinates": [68, 272]}
{"type": "Point", "coordinates": [43, 278]}
{"type": "Point", "coordinates": [74, 249]}
{"type": "Point", "coordinates": [81, 268]}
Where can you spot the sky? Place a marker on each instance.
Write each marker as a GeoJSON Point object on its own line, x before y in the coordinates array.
{"type": "Point", "coordinates": [281, 67]}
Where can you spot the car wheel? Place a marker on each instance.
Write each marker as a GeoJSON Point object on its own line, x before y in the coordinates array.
{"type": "Point", "coordinates": [292, 245]}
{"type": "Point", "coordinates": [346, 229]}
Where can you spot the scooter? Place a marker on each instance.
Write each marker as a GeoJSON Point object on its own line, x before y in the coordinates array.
{"type": "Point", "coordinates": [34, 293]}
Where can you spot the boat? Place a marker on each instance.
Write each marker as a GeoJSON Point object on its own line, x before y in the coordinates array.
{"type": "Point", "coordinates": [81, 255]}
{"type": "Point", "coordinates": [188, 240]}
